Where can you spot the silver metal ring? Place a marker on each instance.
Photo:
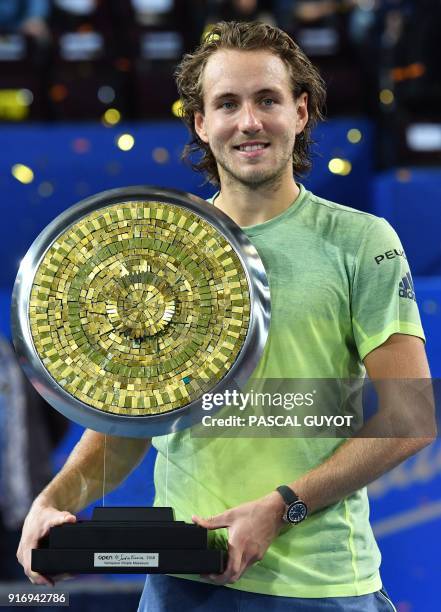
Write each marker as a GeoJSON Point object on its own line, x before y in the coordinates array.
{"type": "Point", "coordinates": [147, 425]}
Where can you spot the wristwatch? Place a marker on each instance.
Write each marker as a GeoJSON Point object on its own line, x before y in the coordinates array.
{"type": "Point", "coordinates": [296, 509]}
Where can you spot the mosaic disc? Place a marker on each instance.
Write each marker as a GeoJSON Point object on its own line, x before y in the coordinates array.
{"type": "Point", "coordinates": [139, 301]}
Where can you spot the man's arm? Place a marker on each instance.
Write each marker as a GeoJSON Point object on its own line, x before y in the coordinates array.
{"type": "Point", "coordinates": [97, 464]}
{"type": "Point", "coordinates": [360, 460]}
{"type": "Point", "coordinates": [357, 462]}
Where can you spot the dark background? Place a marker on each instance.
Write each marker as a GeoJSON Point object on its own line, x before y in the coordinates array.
{"type": "Point", "coordinates": [75, 77]}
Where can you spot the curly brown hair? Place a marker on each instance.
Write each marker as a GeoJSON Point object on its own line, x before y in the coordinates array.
{"type": "Point", "coordinates": [248, 36]}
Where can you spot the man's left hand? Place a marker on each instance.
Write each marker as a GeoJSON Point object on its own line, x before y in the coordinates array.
{"type": "Point", "coordinates": [251, 529]}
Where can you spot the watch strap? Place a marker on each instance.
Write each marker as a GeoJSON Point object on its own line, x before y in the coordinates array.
{"type": "Point", "coordinates": [288, 495]}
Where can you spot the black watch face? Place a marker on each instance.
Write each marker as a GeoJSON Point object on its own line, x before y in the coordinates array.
{"type": "Point", "coordinates": [296, 512]}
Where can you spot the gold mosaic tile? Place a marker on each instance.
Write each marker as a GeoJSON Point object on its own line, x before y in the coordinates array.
{"type": "Point", "coordinates": [139, 308]}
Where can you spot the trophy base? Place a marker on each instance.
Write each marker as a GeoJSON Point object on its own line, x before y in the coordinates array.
{"type": "Point", "coordinates": [179, 561]}
{"type": "Point", "coordinates": [128, 541]}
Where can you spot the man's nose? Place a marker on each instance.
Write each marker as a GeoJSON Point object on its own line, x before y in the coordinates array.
{"type": "Point", "coordinates": [249, 120]}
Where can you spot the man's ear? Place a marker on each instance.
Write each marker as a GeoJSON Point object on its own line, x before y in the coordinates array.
{"type": "Point", "coordinates": [302, 112]}
{"type": "Point", "coordinates": [199, 126]}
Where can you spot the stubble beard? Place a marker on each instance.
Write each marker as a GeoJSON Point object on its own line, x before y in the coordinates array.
{"type": "Point", "coordinates": [269, 179]}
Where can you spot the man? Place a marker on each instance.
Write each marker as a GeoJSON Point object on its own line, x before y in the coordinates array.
{"type": "Point", "coordinates": [251, 98]}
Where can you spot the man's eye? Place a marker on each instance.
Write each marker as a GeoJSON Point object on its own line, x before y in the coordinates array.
{"type": "Point", "coordinates": [228, 105]}
{"type": "Point", "coordinates": [267, 101]}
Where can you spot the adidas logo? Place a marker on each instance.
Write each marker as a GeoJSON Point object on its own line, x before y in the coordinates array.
{"type": "Point", "coordinates": [406, 288]}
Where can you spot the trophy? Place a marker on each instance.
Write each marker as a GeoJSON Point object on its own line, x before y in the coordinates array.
{"type": "Point", "coordinates": [127, 309]}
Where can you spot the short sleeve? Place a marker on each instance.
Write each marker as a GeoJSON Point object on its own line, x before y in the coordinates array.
{"type": "Point", "coordinates": [383, 300]}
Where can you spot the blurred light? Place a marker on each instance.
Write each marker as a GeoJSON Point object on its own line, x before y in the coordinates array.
{"type": "Point", "coordinates": [424, 137]}
{"type": "Point", "coordinates": [22, 173]}
{"type": "Point", "coordinates": [122, 64]}
{"type": "Point", "coordinates": [84, 27]}
{"type": "Point", "coordinates": [58, 93]}
{"type": "Point", "coordinates": [340, 166]}
{"type": "Point", "coordinates": [416, 70]}
{"type": "Point", "coordinates": [398, 74]}
{"type": "Point", "coordinates": [13, 47]}
{"type": "Point", "coordinates": [386, 96]}
{"type": "Point", "coordinates": [125, 142]}
{"type": "Point", "coordinates": [403, 175]}
{"type": "Point", "coordinates": [177, 108]}
{"type": "Point", "coordinates": [141, 6]}
{"type": "Point", "coordinates": [14, 104]}
{"type": "Point", "coordinates": [206, 34]}
{"type": "Point", "coordinates": [45, 189]}
{"type": "Point", "coordinates": [319, 41]}
{"type": "Point", "coordinates": [106, 94]}
{"type": "Point", "coordinates": [354, 136]}
{"type": "Point", "coordinates": [81, 45]}
{"type": "Point", "coordinates": [160, 155]}
{"type": "Point", "coordinates": [25, 97]}
{"type": "Point", "coordinates": [81, 145]}
{"type": "Point", "coordinates": [412, 71]}
{"type": "Point", "coordinates": [112, 116]}
{"type": "Point", "coordinates": [162, 45]}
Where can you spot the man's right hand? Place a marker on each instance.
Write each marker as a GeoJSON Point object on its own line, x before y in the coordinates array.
{"type": "Point", "coordinates": [36, 526]}
{"type": "Point", "coordinates": [77, 485]}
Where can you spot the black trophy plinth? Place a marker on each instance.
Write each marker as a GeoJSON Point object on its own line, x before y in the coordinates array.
{"type": "Point", "coordinates": [128, 541]}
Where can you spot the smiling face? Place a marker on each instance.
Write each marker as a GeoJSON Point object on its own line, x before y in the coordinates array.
{"type": "Point", "coordinates": [250, 117]}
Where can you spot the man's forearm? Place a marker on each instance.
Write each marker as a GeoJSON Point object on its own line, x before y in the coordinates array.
{"type": "Point", "coordinates": [356, 463]}
{"type": "Point", "coordinates": [406, 409]}
{"type": "Point", "coordinates": [97, 464]}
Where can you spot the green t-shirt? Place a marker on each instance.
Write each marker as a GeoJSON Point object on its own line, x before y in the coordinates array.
{"type": "Point", "coordinates": [340, 286]}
